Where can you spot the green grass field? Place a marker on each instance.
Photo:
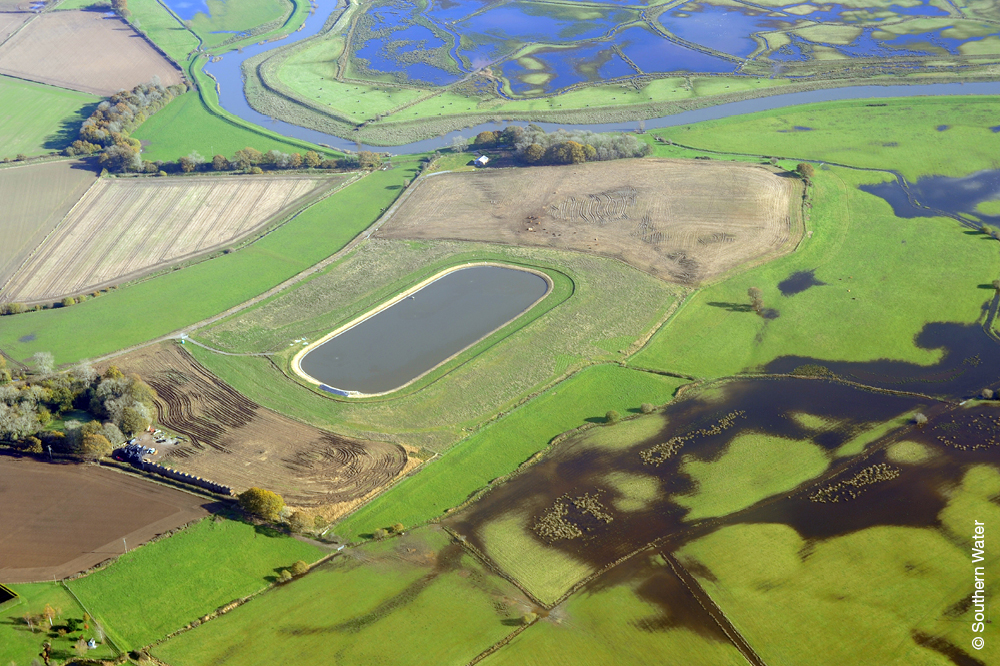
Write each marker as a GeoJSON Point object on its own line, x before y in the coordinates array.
{"type": "Point", "coordinates": [36, 118]}
{"type": "Point", "coordinates": [876, 268]}
{"type": "Point", "coordinates": [864, 593]}
{"type": "Point", "coordinates": [187, 124]}
{"type": "Point", "coordinates": [20, 645]}
{"type": "Point", "coordinates": [162, 586]}
{"type": "Point", "coordinates": [230, 16]}
{"type": "Point", "coordinates": [409, 600]}
{"type": "Point", "coordinates": [502, 446]}
{"type": "Point", "coordinates": [163, 28]}
{"type": "Point", "coordinates": [907, 139]}
{"type": "Point", "coordinates": [616, 624]}
{"type": "Point", "coordinates": [157, 306]}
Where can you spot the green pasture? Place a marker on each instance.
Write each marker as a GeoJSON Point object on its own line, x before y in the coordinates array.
{"type": "Point", "coordinates": [501, 447]}
{"type": "Point", "coordinates": [616, 624]}
{"type": "Point", "coordinates": [907, 139]}
{"type": "Point", "coordinates": [36, 118]}
{"type": "Point", "coordinates": [20, 645]}
{"type": "Point", "coordinates": [753, 467]}
{"type": "Point", "coordinates": [233, 16]}
{"type": "Point", "coordinates": [409, 600]}
{"type": "Point", "coordinates": [165, 303]}
{"type": "Point", "coordinates": [163, 28]}
{"type": "Point", "coordinates": [187, 124]}
{"type": "Point", "coordinates": [878, 270]}
{"type": "Point", "coordinates": [864, 593]}
{"type": "Point", "coordinates": [160, 587]}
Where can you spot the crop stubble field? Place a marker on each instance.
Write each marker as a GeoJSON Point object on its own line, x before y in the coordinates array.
{"type": "Point", "coordinates": [681, 221]}
{"type": "Point", "coordinates": [59, 519]}
{"type": "Point", "coordinates": [10, 22]}
{"type": "Point", "coordinates": [123, 228]}
{"type": "Point", "coordinates": [34, 199]}
{"type": "Point", "coordinates": [235, 441]}
{"type": "Point", "coordinates": [83, 50]}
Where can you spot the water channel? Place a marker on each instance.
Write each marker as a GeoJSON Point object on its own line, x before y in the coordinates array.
{"type": "Point", "coordinates": [228, 73]}
{"type": "Point", "coordinates": [420, 330]}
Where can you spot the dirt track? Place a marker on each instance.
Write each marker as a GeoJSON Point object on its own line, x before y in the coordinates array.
{"type": "Point", "coordinates": [84, 50]}
{"type": "Point", "coordinates": [60, 519]}
{"type": "Point", "coordinates": [683, 221]}
{"type": "Point", "coordinates": [236, 442]}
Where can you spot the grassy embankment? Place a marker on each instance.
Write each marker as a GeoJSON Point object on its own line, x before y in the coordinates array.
{"type": "Point", "coordinates": [154, 307]}
{"type": "Point", "coordinates": [36, 119]}
{"type": "Point", "coordinates": [160, 587]}
{"type": "Point", "coordinates": [611, 306]}
{"type": "Point", "coordinates": [20, 645]}
{"type": "Point", "coordinates": [871, 592]}
{"type": "Point", "coordinates": [410, 600]}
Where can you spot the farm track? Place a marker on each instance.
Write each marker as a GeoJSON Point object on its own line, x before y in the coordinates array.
{"type": "Point", "coordinates": [235, 441]}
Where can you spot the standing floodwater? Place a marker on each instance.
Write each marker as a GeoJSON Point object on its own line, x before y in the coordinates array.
{"type": "Point", "coordinates": [415, 334]}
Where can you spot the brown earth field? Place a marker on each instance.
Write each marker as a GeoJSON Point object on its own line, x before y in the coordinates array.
{"type": "Point", "coordinates": [84, 50]}
{"type": "Point", "coordinates": [680, 220]}
{"type": "Point", "coordinates": [10, 21]}
{"type": "Point", "coordinates": [236, 442]}
{"type": "Point", "coordinates": [125, 228]}
{"type": "Point", "coordinates": [35, 198]}
{"type": "Point", "coordinates": [61, 519]}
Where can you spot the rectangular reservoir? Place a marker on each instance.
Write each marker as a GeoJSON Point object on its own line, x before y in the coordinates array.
{"type": "Point", "coordinates": [415, 333]}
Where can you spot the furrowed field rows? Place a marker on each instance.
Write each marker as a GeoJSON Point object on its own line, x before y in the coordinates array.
{"type": "Point", "coordinates": [34, 199]}
{"type": "Point", "coordinates": [121, 229]}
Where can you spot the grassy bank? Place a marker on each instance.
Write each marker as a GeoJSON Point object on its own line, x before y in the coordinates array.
{"type": "Point", "coordinates": [164, 303]}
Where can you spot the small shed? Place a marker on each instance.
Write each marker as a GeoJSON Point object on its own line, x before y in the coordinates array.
{"type": "Point", "coordinates": [482, 161]}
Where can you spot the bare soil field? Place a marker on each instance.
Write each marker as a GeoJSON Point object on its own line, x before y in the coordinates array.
{"type": "Point", "coordinates": [124, 228]}
{"type": "Point", "coordinates": [60, 519]}
{"type": "Point", "coordinates": [236, 442]}
{"type": "Point", "coordinates": [35, 198]}
{"type": "Point", "coordinates": [10, 21]}
{"type": "Point", "coordinates": [683, 221]}
{"type": "Point", "coordinates": [84, 50]}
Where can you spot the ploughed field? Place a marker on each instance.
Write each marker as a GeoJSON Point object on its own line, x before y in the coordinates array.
{"type": "Point", "coordinates": [35, 198]}
{"type": "Point", "coordinates": [681, 221]}
{"type": "Point", "coordinates": [10, 22]}
{"type": "Point", "coordinates": [124, 228]}
{"type": "Point", "coordinates": [84, 50]}
{"type": "Point", "coordinates": [234, 441]}
{"type": "Point", "coordinates": [59, 519]}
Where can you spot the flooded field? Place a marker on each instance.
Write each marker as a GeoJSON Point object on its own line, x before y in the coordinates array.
{"type": "Point", "coordinates": [421, 329]}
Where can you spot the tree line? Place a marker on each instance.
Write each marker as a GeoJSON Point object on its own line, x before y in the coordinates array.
{"type": "Point", "coordinates": [533, 145]}
{"type": "Point", "coordinates": [251, 160]}
{"type": "Point", "coordinates": [121, 404]}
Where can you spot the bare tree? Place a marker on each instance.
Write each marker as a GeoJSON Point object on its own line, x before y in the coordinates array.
{"type": "Point", "coordinates": [44, 362]}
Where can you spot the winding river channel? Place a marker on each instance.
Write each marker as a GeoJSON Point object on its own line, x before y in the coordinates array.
{"type": "Point", "coordinates": [228, 72]}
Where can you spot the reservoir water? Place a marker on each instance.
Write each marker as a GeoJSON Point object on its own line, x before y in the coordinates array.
{"type": "Point", "coordinates": [421, 330]}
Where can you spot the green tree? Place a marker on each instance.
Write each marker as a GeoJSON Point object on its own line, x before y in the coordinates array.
{"type": "Point", "coordinates": [298, 521]}
{"type": "Point", "coordinates": [996, 284]}
{"type": "Point", "coordinates": [187, 164]}
{"type": "Point", "coordinates": [756, 299]}
{"type": "Point", "coordinates": [805, 170]}
{"type": "Point", "coordinates": [380, 534]}
{"type": "Point", "coordinates": [247, 158]}
{"type": "Point", "coordinates": [368, 160]}
{"type": "Point", "coordinates": [528, 618]}
{"type": "Point", "coordinates": [95, 446]}
{"type": "Point", "coordinates": [646, 408]}
{"type": "Point", "coordinates": [295, 161]}
{"type": "Point", "coordinates": [261, 503]}
{"type": "Point", "coordinates": [398, 528]}
{"type": "Point", "coordinates": [612, 416]}
{"type": "Point", "coordinates": [220, 163]}
{"type": "Point", "coordinates": [299, 568]}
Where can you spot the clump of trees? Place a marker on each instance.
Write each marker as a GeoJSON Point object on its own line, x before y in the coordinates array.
{"type": "Point", "coordinates": [252, 161]}
{"type": "Point", "coordinates": [121, 404]}
{"type": "Point", "coordinates": [261, 503]}
{"type": "Point", "coordinates": [107, 129]}
{"type": "Point", "coordinates": [533, 145]}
